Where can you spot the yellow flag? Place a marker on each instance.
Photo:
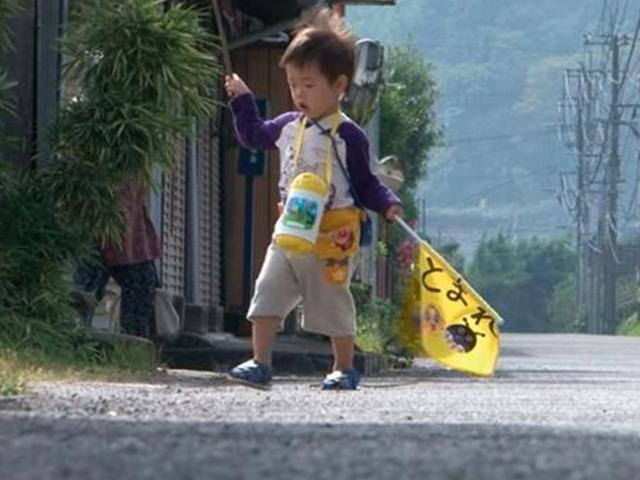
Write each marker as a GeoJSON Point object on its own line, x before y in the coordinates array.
{"type": "Point", "coordinates": [446, 319]}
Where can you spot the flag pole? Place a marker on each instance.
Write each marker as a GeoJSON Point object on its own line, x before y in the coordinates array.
{"type": "Point", "coordinates": [224, 45]}
{"type": "Point", "coordinates": [412, 233]}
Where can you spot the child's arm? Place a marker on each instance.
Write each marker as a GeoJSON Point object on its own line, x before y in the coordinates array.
{"type": "Point", "coordinates": [252, 130]}
{"type": "Point", "coordinates": [372, 192]}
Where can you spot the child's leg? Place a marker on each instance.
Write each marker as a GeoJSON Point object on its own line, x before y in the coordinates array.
{"type": "Point", "coordinates": [276, 293]}
{"type": "Point", "coordinates": [263, 332]}
{"type": "Point", "coordinates": [90, 280]}
{"type": "Point", "coordinates": [344, 376]}
{"type": "Point", "coordinates": [343, 348]}
{"type": "Point", "coordinates": [138, 282]}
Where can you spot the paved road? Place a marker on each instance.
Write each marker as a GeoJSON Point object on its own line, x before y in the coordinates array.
{"type": "Point", "coordinates": [559, 407]}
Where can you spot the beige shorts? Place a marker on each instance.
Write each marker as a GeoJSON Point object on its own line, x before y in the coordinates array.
{"type": "Point", "coordinates": [288, 278]}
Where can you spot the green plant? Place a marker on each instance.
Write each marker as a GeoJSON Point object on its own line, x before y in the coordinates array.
{"type": "Point", "coordinates": [6, 85]}
{"type": "Point", "coordinates": [382, 251]}
{"type": "Point", "coordinates": [8, 10]}
{"type": "Point", "coordinates": [140, 76]}
{"type": "Point", "coordinates": [36, 247]}
{"type": "Point", "coordinates": [408, 128]}
{"type": "Point", "coordinates": [563, 307]}
{"type": "Point", "coordinates": [11, 384]}
{"type": "Point", "coordinates": [518, 279]}
{"type": "Point", "coordinates": [631, 326]}
{"type": "Point", "coordinates": [377, 326]}
{"type": "Point", "coordinates": [12, 381]}
{"type": "Point", "coordinates": [134, 358]}
{"type": "Point", "coordinates": [115, 361]}
{"type": "Point", "coordinates": [376, 320]}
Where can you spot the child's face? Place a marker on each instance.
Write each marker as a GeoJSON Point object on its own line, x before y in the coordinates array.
{"type": "Point", "coordinates": [312, 92]}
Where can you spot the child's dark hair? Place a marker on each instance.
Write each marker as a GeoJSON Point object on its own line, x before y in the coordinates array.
{"type": "Point", "coordinates": [322, 38]}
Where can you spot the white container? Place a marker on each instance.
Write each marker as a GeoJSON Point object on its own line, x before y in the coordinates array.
{"type": "Point", "coordinates": [298, 226]}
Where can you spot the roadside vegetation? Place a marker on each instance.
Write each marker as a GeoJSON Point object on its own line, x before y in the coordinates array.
{"type": "Point", "coordinates": [408, 130]}
{"type": "Point", "coordinates": [137, 77]}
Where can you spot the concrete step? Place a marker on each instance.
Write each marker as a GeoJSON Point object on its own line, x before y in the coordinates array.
{"type": "Point", "coordinates": [294, 354]}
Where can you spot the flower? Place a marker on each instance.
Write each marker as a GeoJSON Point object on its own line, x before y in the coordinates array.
{"type": "Point", "coordinates": [343, 238]}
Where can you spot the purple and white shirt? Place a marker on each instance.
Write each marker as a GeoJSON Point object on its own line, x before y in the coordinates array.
{"type": "Point", "coordinates": [351, 143]}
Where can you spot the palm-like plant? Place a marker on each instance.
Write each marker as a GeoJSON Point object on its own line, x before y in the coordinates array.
{"type": "Point", "coordinates": [6, 105]}
{"type": "Point", "coordinates": [8, 10]}
{"type": "Point", "coordinates": [141, 75]}
{"type": "Point", "coordinates": [36, 248]}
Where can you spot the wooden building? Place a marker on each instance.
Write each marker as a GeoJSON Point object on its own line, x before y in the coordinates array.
{"type": "Point", "coordinates": [207, 264]}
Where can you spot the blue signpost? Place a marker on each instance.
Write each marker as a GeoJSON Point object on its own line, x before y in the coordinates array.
{"type": "Point", "coordinates": [252, 164]}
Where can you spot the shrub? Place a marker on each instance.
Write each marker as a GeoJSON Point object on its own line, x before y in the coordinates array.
{"type": "Point", "coordinates": [376, 320]}
{"type": "Point", "coordinates": [140, 77]}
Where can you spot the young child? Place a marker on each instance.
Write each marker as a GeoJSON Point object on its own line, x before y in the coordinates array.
{"type": "Point", "coordinates": [316, 138]}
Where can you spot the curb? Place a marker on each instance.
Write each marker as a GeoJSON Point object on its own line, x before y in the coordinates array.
{"type": "Point", "coordinates": [292, 354]}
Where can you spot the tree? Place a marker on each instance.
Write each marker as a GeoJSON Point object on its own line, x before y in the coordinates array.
{"type": "Point", "coordinates": [519, 278]}
{"type": "Point", "coordinates": [407, 113]}
{"type": "Point", "coordinates": [563, 307]}
{"type": "Point", "coordinates": [141, 77]}
{"type": "Point", "coordinates": [496, 272]}
{"type": "Point", "coordinates": [408, 128]}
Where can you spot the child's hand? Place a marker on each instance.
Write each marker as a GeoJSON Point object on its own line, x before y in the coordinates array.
{"type": "Point", "coordinates": [393, 212]}
{"type": "Point", "coordinates": [235, 85]}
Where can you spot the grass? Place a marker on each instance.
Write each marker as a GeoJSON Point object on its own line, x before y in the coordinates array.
{"type": "Point", "coordinates": [11, 384]}
{"type": "Point", "coordinates": [118, 363]}
{"type": "Point", "coordinates": [631, 326]}
{"type": "Point", "coordinates": [142, 74]}
{"type": "Point", "coordinates": [377, 322]}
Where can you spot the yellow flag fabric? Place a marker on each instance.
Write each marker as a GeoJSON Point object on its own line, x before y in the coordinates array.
{"type": "Point", "coordinates": [445, 319]}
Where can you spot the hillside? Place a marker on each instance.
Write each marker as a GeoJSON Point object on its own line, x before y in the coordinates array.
{"type": "Point", "coordinates": [499, 65]}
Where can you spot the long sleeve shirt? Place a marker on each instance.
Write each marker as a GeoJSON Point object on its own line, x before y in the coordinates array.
{"type": "Point", "coordinates": [351, 144]}
{"type": "Point", "coordinates": [140, 242]}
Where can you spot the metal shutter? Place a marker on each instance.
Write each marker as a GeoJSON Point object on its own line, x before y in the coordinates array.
{"type": "Point", "coordinates": [216, 213]}
{"type": "Point", "coordinates": [173, 226]}
{"type": "Point", "coordinates": [205, 204]}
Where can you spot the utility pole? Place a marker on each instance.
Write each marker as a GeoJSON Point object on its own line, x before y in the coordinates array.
{"type": "Point", "coordinates": [605, 262]}
{"type": "Point", "coordinates": [589, 272]}
{"type": "Point", "coordinates": [578, 135]}
{"type": "Point", "coordinates": [613, 179]}
{"type": "Point", "coordinates": [595, 134]}
{"type": "Point", "coordinates": [577, 142]}
{"type": "Point", "coordinates": [582, 207]}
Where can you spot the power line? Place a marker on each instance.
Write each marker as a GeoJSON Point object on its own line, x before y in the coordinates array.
{"type": "Point", "coordinates": [495, 186]}
{"type": "Point", "coordinates": [499, 137]}
{"type": "Point", "coordinates": [497, 47]}
{"type": "Point", "coordinates": [485, 154]}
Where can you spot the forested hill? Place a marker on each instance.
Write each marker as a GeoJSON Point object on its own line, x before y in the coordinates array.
{"type": "Point", "coordinates": [499, 64]}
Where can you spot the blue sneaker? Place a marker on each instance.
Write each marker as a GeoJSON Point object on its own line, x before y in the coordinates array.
{"type": "Point", "coordinates": [342, 380]}
{"type": "Point", "coordinates": [252, 374]}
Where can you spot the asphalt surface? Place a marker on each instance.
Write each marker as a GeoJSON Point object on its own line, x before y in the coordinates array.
{"type": "Point", "coordinates": [559, 407]}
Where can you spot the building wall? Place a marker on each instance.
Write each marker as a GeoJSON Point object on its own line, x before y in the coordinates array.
{"type": "Point", "coordinates": [211, 213]}
{"type": "Point", "coordinates": [35, 65]}
{"type": "Point", "coordinates": [197, 282]}
{"type": "Point", "coordinates": [258, 66]}
{"type": "Point", "coordinates": [173, 226]}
